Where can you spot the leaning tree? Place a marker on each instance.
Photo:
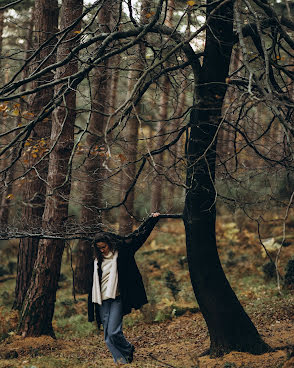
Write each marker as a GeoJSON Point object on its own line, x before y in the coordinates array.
{"type": "Point", "coordinates": [262, 77]}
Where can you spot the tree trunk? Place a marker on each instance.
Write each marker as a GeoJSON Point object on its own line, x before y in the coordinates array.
{"type": "Point", "coordinates": [1, 34]}
{"type": "Point", "coordinates": [175, 192]}
{"type": "Point", "coordinates": [93, 172]}
{"type": "Point", "coordinates": [157, 185]}
{"type": "Point", "coordinates": [34, 189]}
{"type": "Point", "coordinates": [128, 173]}
{"type": "Point", "coordinates": [229, 326]}
{"type": "Point", "coordinates": [156, 195]}
{"type": "Point", "coordinates": [38, 307]}
{"type": "Point", "coordinates": [8, 191]}
{"type": "Point", "coordinates": [4, 190]}
{"type": "Point", "coordinates": [227, 136]}
{"type": "Point", "coordinates": [131, 137]}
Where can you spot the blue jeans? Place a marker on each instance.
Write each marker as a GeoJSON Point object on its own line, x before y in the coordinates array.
{"type": "Point", "coordinates": [111, 317]}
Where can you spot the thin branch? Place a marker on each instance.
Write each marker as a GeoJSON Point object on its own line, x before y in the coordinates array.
{"type": "Point", "coordinates": [10, 4]}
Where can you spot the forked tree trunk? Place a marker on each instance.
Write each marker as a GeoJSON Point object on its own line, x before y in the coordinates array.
{"type": "Point", "coordinates": [34, 188]}
{"type": "Point", "coordinates": [130, 136]}
{"type": "Point", "coordinates": [229, 326]}
{"type": "Point", "coordinates": [93, 171]}
{"type": "Point", "coordinates": [38, 307]}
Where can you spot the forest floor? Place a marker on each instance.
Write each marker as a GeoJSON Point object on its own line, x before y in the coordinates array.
{"type": "Point", "coordinates": [170, 331]}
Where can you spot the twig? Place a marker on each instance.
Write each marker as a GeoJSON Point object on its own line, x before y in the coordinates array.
{"type": "Point", "coordinates": [159, 361]}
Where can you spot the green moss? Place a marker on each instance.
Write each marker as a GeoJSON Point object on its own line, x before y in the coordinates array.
{"type": "Point", "coordinates": [75, 326]}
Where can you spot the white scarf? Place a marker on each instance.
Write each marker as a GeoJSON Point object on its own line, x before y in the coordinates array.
{"type": "Point", "coordinates": [112, 282]}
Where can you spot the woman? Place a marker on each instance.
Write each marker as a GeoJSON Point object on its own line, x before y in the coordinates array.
{"type": "Point", "coordinates": [117, 286]}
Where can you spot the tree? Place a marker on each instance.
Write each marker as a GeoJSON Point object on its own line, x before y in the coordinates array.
{"type": "Point", "coordinates": [34, 189]}
{"type": "Point", "coordinates": [229, 326]}
{"type": "Point", "coordinates": [7, 176]}
{"type": "Point", "coordinates": [94, 173]}
{"type": "Point", "coordinates": [261, 80]}
{"type": "Point", "coordinates": [130, 134]}
{"type": "Point", "coordinates": [38, 307]}
{"type": "Point", "coordinates": [157, 188]}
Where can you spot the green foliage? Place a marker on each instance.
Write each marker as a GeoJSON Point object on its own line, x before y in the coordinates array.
{"type": "Point", "coordinates": [229, 365]}
{"type": "Point", "coordinates": [269, 270]}
{"type": "Point", "coordinates": [255, 190]}
{"type": "Point", "coordinates": [75, 325]}
{"type": "Point", "coordinates": [8, 322]}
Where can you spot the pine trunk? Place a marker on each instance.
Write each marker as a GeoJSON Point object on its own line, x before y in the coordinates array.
{"type": "Point", "coordinates": [229, 326]}
{"type": "Point", "coordinates": [177, 150]}
{"type": "Point", "coordinates": [8, 192]}
{"type": "Point", "coordinates": [130, 146]}
{"type": "Point", "coordinates": [38, 307]}
{"type": "Point", "coordinates": [93, 172]}
{"type": "Point", "coordinates": [130, 136]}
{"type": "Point", "coordinates": [157, 194]}
{"type": "Point", "coordinates": [34, 188]}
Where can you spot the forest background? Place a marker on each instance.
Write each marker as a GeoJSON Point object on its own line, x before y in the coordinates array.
{"type": "Point", "coordinates": [116, 109]}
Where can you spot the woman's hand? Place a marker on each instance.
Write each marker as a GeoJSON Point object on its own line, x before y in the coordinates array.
{"type": "Point", "coordinates": [155, 214]}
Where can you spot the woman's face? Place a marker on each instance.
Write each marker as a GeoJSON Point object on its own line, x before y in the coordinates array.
{"type": "Point", "coordinates": [103, 247]}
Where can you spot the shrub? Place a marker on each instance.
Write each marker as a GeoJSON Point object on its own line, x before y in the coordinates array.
{"type": "Point", "coordinates": [172, 283]}
{"type": "Point", "coordinates": [289, 276]}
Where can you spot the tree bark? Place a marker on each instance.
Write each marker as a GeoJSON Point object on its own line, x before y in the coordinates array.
{"type": "Point", "coordinates": [93, 171]}
{"type": "Point", "coordinates": [34, 189]}
{"type": "Point", "coordinates": [8, 191]}
{"type": "Point", "coordinates": [178, 148]}
{"type": "Point", "coordinates": [156, 194]}
{"type": "Point", "coordinates": [5, 176]}
{"type": "Point", "coordinates": [229, 326]}
{"type": "Point", "coordinates": [38, 307]}
{"type": "Point", "coordinates": [130, 136]}
{"type": "Point", "coordinates": [130, 147]}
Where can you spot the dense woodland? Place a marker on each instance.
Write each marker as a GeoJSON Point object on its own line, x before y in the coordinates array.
{"type": "Point", "coordinates": [112, 110]}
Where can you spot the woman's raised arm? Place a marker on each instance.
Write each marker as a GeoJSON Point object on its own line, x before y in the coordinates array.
{"type": "Point", "coordinates": [137, 238]}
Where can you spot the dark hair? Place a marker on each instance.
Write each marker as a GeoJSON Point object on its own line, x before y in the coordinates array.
{"type": "Point", "coordinates": [107, 238]}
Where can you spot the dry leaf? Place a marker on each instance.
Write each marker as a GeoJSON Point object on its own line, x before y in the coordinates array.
{"type": "Point", "coordinates": [149, 15]}
{"type": "Point", "coordinates": [122, 157]}
{"type": "Point", "coordinates": [15, 112]}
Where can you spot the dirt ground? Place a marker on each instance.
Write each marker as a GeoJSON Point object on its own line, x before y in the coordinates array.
{"type": "Point", "coordinates": [177, 343]}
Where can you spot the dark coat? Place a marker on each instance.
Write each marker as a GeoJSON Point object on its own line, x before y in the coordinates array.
{"type": "Point", "coordinates": [131, 287]}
